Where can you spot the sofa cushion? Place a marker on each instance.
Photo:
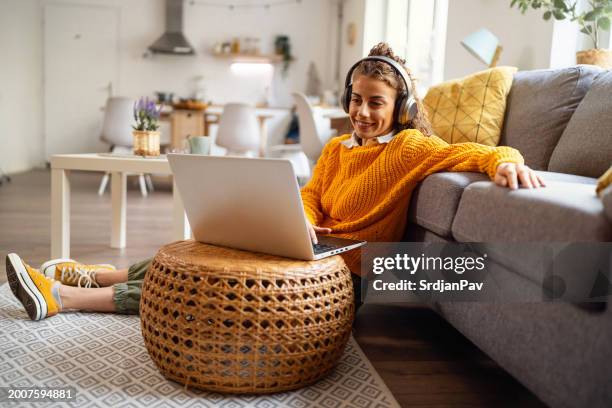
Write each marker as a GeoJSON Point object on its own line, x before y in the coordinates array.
{"type": "Point", "coordinates": [566, 210]}
{"type": "Point", "coordinates": [540, 105]}
{"type": "Point", "coordinates": [435, 201]}
{"type": "Point", "coordinates": [585, 148]}
{"type": "Point", "coordinates": [548, 176]}
{"type": "Point", "coordinates": [470, 109]}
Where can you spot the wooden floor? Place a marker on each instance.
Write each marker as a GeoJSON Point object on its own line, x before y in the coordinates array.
{"type": "Point", "coordinates": [424, 361]}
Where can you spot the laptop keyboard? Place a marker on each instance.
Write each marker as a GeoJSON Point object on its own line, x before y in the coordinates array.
{"type": "Point", "coordinates": [320, 248]}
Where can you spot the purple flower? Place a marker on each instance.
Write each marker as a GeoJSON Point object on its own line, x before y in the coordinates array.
{"type": "Point", "coordinates": [146, 114]}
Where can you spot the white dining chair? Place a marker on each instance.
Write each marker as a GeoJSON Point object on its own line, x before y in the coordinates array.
{"type": "Point", "coordinates": [117, 131]}
{"type": "Point", "coordinates": [314, 131]}
{"type": "Point", "coordinates": [240, 133]}
{"type": "Point", "coordinates": [238, 130]}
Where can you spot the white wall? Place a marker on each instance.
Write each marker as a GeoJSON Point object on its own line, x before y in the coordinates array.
{"type": "Point", "coordinates": [564, 44]}
{"type": "Point", "coordinates": [354, 12]}
{"type": "Point", "coordinates": [526, 39]}
{"type": "Point", "coordinates": [21, 142]}
{"type": "Point", "coordinates": [142, 21]}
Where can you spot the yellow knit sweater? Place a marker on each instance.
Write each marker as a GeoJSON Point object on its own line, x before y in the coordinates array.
{"type": "Point", "coordinates": [364, 192]}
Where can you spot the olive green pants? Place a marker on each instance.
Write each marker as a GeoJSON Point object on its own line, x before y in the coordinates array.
{"type": "Point", "coordinates": [127, 294]}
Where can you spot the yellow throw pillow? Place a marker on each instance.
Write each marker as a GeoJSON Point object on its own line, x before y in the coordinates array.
{"type": "Point", "coordinates": [604, 181]}
{"type": "Point", "coordinates": [470, 109]}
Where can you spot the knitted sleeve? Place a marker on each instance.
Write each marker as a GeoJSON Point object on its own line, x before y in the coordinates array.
{"type": "Point", "coordinates": [312, 191]}
{"type": "Point", "coordinates": [428, 155]}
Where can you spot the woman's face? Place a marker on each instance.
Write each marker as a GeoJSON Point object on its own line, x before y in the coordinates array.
{"type": "Point", "coordinates": [371, 107]}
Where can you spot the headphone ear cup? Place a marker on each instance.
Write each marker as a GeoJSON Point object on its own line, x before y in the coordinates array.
{"type": "Point", "coordinates": [345, 101]}
{"type": "Point", "coordinates": [400, 110]}
{"type": "Point", "coordinates": [412, 107]}
{"type": "Point", "coordinates": [406, 109]}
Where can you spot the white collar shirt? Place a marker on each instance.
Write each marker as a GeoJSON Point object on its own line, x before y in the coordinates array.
{"type": "Point", "coordinates": [353, 141]}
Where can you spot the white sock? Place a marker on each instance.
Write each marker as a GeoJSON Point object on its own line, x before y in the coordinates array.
{"type": "Point", "coordinates": [56, 294]}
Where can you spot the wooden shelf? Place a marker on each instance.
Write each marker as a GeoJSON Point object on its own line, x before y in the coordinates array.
{"type": "Point", "coordinates": [256, 58]}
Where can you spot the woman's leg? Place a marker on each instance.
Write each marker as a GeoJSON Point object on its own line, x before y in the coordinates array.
{"type": "Point", "coordinates": [90, 299]}
{"type": "Point", "coordinates": [109, 277]}
{"type": "Point", "coordinates": [42, 296]}
{"type": "Point", "coordinates": [120, 291]}
{"type": "Point", "coordinates": [126, 295]}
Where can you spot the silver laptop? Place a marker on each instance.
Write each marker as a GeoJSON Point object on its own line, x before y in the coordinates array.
{"type": "Point", "coordinates": [251, 204]}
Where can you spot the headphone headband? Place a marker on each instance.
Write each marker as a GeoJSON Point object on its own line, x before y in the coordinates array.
{"type": "Point", "coordinates": [396, 67]}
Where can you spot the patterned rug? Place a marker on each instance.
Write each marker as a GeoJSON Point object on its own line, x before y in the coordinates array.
{"type": "Point", "coordinates": [103, 357]}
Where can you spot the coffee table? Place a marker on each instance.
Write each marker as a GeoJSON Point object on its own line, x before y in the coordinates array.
{"type": "Point", "coordinates": [119, 167]}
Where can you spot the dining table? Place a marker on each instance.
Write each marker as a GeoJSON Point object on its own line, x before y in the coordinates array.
{"type": "Point", "coordinates": [118, 166]}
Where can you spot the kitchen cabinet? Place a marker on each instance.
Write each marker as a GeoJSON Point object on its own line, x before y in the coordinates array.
{"type": "Point", "coordinates": [185, 123]}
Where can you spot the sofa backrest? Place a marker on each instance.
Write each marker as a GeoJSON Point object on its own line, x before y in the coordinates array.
{"type": "Point", "coordinates": [539, 107]}
{"type": "Point", "coordinates": [585, 148]}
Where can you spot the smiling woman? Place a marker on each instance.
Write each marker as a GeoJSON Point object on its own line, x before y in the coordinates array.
{"type": "Point", "coordinates": [362, 182]}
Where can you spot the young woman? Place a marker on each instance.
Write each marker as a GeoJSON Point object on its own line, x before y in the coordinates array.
{"type": "Point", "coordinates": [360, 189]}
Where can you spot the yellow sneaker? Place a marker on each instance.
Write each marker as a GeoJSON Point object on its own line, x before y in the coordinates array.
{"type": "Point", "coordinates": [73, 273]}
{"type": "Point", "coordinates": [37, 293]}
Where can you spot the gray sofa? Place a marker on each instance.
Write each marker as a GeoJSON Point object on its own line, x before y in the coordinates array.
{"type": "Point", "coordinates": [561, 121]}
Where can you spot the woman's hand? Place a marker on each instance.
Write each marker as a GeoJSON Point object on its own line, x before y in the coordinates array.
{"type": "Point", "coordinates": [313, 230]}
{"type": "Point", "coordinates": [510, 174]}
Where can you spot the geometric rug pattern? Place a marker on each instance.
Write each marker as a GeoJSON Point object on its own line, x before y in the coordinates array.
{"type": "Point", "coordinates": [103, 357]}
{"type": "Point", "coordinates": [470, 109]}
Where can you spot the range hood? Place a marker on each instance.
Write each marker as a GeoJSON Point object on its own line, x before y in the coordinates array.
{"type": "Point", "coordinates": [173, 41]}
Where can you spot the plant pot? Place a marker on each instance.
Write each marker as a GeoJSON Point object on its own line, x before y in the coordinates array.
{"type": "Point", "coordinates": [600, 57]}
{"type": "Point", "coordinates": [146, 143]}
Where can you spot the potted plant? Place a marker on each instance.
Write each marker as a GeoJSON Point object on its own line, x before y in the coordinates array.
{"type": "Point", "coordinates": [146, 135]}
{"type": "Point", "coordinates": [591, 22]}
{"type": "Point", "coordinates": [282, 47]}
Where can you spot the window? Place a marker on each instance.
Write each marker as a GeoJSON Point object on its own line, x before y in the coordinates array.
{"type": "Point", "coordinates": [416, 29]}
{"type": "Point", "coordinates": [567, 39]}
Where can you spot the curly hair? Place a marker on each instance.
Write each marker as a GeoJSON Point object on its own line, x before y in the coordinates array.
{"type": "Point", "coordinates": [384, 72]}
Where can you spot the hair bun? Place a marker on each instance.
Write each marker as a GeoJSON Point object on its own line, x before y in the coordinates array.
{"type": "Point", "coordinates": [382, 49]}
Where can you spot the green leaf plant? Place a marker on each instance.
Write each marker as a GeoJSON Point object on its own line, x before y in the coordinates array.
{"type": "Point", "coordinates": [591, 21]}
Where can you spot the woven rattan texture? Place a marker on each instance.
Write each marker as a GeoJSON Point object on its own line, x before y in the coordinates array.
{"type": "Point", "coordinates": [226, 320]}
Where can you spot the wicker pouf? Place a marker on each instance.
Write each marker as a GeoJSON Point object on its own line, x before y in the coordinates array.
{"type": "Point", "coordinates": [241, 322]}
